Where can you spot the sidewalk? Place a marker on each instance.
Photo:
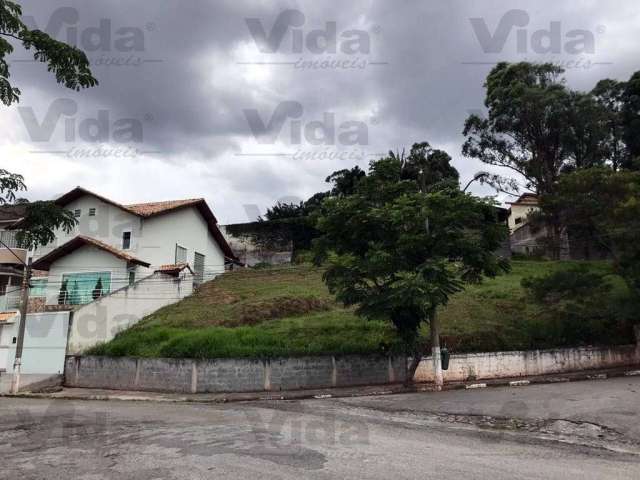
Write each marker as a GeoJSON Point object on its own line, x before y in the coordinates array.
{"type": "Point", "coordinates": [95, 394]}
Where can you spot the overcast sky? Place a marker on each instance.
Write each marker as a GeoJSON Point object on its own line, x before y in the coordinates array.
{"type": "Point", "coordinates": [247, 103]}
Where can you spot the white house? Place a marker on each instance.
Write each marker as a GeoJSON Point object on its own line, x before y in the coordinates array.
{"type": "Point", "coordinates": [115, 245]}
{"type": "Point", "coordinates": [119, 264]}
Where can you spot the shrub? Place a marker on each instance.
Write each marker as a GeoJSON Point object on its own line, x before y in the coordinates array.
{"type": "Point", "coordinates": [577, 309]}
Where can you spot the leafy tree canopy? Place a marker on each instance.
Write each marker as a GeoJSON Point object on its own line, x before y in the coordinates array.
{"type": "Point", "coordinates": [399, 253]}
{"type": "Point", "coordinates": [68, 63]}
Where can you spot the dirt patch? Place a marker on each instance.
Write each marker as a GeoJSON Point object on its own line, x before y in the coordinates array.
{"type": "Point", "coordinates": [212, 294]}
{"type": "Point", "coordinates": [279, 307]}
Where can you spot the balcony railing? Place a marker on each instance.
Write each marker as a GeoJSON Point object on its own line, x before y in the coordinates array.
{"type": "Point", "coordinates": [9, 238]}
{"type": "Point", "coordinates": [9, 302]}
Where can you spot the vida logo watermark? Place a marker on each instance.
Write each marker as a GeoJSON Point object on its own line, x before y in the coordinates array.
{"type": "Point", "coordinates": [104, 43]}
{"type": "Point", "coordinates": [97, 135]}
{"type": "Point", "coordinates": [513, 34]}
{"type": "Point", "coordinates": [328, 136]}
{"type": "Point", "coordinates": [330, 47]}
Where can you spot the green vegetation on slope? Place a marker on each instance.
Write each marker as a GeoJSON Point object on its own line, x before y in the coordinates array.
{"type": "Point", "coordinates": [288, 311]}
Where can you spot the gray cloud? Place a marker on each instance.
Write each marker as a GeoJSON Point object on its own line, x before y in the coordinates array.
{"type": "Point", "coordinates": [201, 68]}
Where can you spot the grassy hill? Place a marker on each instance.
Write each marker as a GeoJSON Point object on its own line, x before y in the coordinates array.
{"type": "Point", "coordinates": [288, 311]}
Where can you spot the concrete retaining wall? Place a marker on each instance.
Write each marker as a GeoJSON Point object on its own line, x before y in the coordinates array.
{"type": "Point", "coordinates": [100, 320]}
{"type": "Point", "coordinates": [479, 366]}
{"type": "Point", "coordinates": [231, 375]}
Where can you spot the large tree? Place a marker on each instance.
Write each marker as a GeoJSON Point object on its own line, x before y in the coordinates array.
{"type": "Point", "coordinates": [70, 67]}
{"type": "Point", "coordinates": [603, 206]}
{"type": "Point", "coordinates": [398, 248]}
{"type": "Point", "coordinates": [631, 120]}
{"type": "Point", "coordinates": [528, 106]}
{"type": "Point", "coordinates": [610, 94]}
{"type": "Point", "coordinates": [538, 129]}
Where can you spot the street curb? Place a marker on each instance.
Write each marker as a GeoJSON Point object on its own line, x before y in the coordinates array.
{"type": "Point", "coordinates": [330, 393]}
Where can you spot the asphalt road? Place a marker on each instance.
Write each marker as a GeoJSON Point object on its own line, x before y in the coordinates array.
{"type": "Point", "coordinates": [459, 434]}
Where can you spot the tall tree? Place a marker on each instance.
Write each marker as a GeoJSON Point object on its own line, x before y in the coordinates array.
{"type": "Point", "coordinates": [71, 69]}
{"type": "Point", "coordinates": [631, 120]}
{"type": "Point", "coordinates": [429, 166]}
{"type": "Point", "coordinates": [529, 109]}
{"type": "Point", "coordinates": [585, 135]}
{"type": "Point", "coordinates": [528, 106]}
{"type": "Point", "coordinates": [345, 181]}
{"type": "Point", "coordinates": [610, 94]}
{"type": "Point", "coordinates": [399, 253]}
{"type": "Point", "coordinates": [604, 206]}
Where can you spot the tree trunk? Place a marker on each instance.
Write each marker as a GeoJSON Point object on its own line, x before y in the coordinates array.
{"type": "Point", "coordinates": [421, 350]}
{"type": "Point", "coordinates": [435, 351]}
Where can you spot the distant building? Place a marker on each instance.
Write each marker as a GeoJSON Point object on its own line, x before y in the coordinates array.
{"type": "Point", "coordinates": [520, 209]}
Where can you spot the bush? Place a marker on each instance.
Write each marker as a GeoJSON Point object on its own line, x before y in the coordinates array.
{"type": "Point", "coordinates": [577, 309]}
{"type": "Point", "coordinates": [575, 284]}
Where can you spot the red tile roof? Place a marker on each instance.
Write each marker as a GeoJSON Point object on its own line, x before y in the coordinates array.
{"type": "Point", "coordinates": [173, 268]}
{"type": "Point", "coordinates": [44, 263]}
{"type": "Point", "coordinates": [154, 208]}
{"type": "Point", "coordinates": [526, 199]}
{"type": "Point", "coordinates": [151, 209]}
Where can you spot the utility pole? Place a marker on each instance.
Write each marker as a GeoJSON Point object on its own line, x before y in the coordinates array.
{"type": "Point", "coordinates": [24, 302]}
{"type": "Point", "coordinates": [434, 323]}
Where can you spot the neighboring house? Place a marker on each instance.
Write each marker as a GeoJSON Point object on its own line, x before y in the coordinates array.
{"type": "Point", "coordinates": [115, 245]}
{"type": "Point", "coordinates": [528, 239]}
{"type": "Point", "coordinates": [12, 258]}
{"type": "Point", "coordinates": [520, 209]}
{"type": "Point", "coordinates": [524, 239]}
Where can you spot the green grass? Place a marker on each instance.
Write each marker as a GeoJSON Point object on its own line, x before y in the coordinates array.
{"type": "Point", "coordinates": [288, 311]}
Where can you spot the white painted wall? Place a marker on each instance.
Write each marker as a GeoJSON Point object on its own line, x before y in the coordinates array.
{"type": "Point", "coordinates": [108, 224]}
{"type": "Point", "coordinates": [7, 332]}
{"type": "Point", "coordinates": [88, 259]}
{"type": "Point", "coordinates": [479, 366]}
{"type": "Point", "coordinates": [521, 212]}
{"type": "Point", "coordinates": [45, 343]}
{"type": "Point", "coordinates": [187, 228]}
{"type": "Point", "coordinates": [100, 320]}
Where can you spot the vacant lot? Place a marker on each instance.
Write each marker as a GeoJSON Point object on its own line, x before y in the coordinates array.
{"type": "Point", "coordinates": [288, 311]}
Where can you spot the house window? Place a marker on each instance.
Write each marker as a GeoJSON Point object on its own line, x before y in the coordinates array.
{"type": "Point", "coordinates": [81, 288]}
{"type": "Point", "coordinates": [132, 277]}
{"type": "Point", "coordinates": [181, 254]}
{"type": "Point", "coordinates": [92, 212]}
{"type": "Point", "coordinates": [198, 268]}
{"type": "Point", "coordinates": [518, 220]}
{"type": "Point", "coordinates": [38, 287]}
{"type": "Point", "coordinates": [77, 212]}
{"type": "Point", "coordinates": [126, 240]}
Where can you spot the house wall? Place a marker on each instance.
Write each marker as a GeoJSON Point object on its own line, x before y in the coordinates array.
{"type": "Point", "coordinates": [186, 227]}
{"type": "Point", "coordinates": [83, 260]}
{"type": "Point", "coordinates": [100, 320]}
{"type": "Point", "coordinates": [107, 226]}
{"type": "Point", "coordinates": [152, 239]}
{"type": "Point", "coordinates": [520, 211]}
